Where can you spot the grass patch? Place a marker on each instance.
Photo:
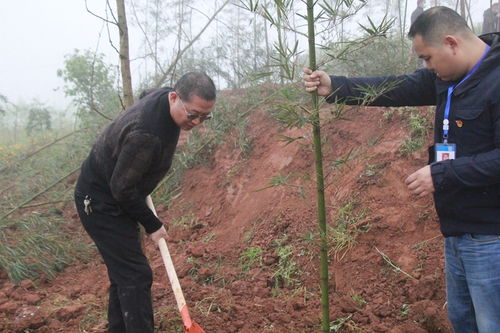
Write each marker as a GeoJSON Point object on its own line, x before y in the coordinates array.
{"type": "Point", "coordinates": [358, 299]}
{"type": "Point", "coordinates": [39, 246]}
{"type": "Point", "coordinates": [392, 265]}
{"type": "Point", "coordinates": [342, 235]}
{"type": "Point", "coordinates": [185, 221]}
{"type": "Point", "coordinates": [250, 257]}
{"type": "Point", "coordinates": [419, 126]}
{"type": "Point", "coordinates": [286, 271]}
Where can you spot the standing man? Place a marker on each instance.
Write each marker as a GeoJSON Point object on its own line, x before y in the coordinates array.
{"type": "Point", "coordinates": [462, 79]}
{"type": "Point", "coordinates": [419, 10]}
{"type": "Point", "coordinates": [491, 19]}
{"type": "Point", "coordinates": [126, 163]}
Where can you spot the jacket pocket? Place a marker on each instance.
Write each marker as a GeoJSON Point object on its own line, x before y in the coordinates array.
{"type": "Point", "coordinates": [468, 113]}
{"type": "Point", "coordinates": [474, 129]}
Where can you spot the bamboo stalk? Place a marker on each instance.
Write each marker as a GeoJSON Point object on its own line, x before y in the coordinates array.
{"type": "Point", "coordinates": [320, 187]}
{"type": "Point", "coordinates": [37, 194]}
{"type": "Point", "coordinates": [45, 203]}
{"type": "Point", "coordinates": [36, 151]}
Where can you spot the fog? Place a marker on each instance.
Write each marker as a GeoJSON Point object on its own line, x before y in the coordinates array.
{"type": "Point", "coordinates": [36, 35]}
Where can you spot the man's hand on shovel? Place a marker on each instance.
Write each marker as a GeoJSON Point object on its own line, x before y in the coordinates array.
{"type": "Point", "coordinates": [158, 234]}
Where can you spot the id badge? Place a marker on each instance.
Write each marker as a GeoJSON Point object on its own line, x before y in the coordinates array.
{"type": "Point", "coordinates": [445, 151]}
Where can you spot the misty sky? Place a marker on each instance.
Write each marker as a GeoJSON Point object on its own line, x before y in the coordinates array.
{"type": "Point", "coordinates": [35, 35]}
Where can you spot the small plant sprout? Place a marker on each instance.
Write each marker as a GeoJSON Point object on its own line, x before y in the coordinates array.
{"type": "Point", "coordinates": [250, 257]}
{"type": "Point", "coordinates": [395, 267]}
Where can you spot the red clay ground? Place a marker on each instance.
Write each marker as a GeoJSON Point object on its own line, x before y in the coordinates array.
{"type": "Point", "coordinates": [224, 212]}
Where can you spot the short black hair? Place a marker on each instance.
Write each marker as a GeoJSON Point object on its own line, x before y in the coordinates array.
{"type": "Point", "coordinates": [195, 83]}
{"type": "Point", "coordinates": [436, 22]}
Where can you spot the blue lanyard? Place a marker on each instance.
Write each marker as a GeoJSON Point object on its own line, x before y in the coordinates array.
{"type": "Point", "coordinates": [446, 122]}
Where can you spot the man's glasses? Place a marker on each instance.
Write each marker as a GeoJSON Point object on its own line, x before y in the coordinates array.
{"type": "Point", "coordinates": [193, 116]}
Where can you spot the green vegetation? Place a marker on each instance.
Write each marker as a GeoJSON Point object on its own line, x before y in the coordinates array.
{"type": "Point", "coordinates": [405, 308]}
{"type": "Point", "coordinates": [168, 318]}
{"type": "Point", "coordinates": [44, 249]}
{"type": "Point", "coordinates": [185, 221]}
{"type": "Point", "coordinates": [395, 268]}
{"type": "Point", "coordinates": [34, 178]}
{"type": "Point", "coordinates": [208, 305]}
{"type": "Point", "coordinates": [37, 176]}
{"type": "Point", "coordinates": [286, 271]}
{"type": "Point", "coordinates": [356, 298]}
{"type": "Point", "coordinates": [372, 170]}
{"type": "Point", "coordinates": [251, 257]}
{"type": "Point", "coordinates": [209, 237]}
{"type": "Point", "coordinates": [228, 125]}
{"type": "Point", "coordinates": [94, 316]}
{"type": "Point", "coordinates": [340, 162]}
{"type": "Point", "coordinates": [380, 56]}
{"type": "Point", "coordinates": [338, 323]}
{"type": "Point", "coordinates": [345, 228]}
{"type": "Point", "coordinates": [281, 180]}
{"type": "Point", "coordinates": [419, 125]}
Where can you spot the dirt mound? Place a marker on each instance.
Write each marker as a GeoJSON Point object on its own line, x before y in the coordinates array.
{"type": "Point", "coordinates": [246, 252]}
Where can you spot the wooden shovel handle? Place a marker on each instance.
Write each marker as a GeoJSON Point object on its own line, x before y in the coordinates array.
{"type": "Point", "coordinates": [172, 275]}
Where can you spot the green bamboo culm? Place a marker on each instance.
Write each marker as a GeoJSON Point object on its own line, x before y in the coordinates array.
{"type": "Point", "coordinates": [320, 187]}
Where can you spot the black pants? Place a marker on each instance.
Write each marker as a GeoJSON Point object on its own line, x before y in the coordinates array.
{"type": "Point", "coordinates": [117, 238]}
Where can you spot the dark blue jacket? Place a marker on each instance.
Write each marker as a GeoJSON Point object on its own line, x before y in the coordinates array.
{"type": "Point", "coordinates": [467, 189]}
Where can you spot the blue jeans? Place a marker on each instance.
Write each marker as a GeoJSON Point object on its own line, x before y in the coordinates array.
{"type": "Point", "coordinates": [473, 283]}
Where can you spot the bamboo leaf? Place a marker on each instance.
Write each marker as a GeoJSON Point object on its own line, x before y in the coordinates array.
{"type": "Point", "coordinates": [288, 139]}
{"type": "Point", "coordinates": [250, 5]}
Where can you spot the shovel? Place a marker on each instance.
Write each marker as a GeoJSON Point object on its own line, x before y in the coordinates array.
{"type": "Point", "coordinates": [189, 325]}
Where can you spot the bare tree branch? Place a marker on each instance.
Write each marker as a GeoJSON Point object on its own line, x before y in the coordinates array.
{"type": "Point", "coordinates": [181, 52]}
{"type": "Point", "coordinates": [148, 42]}
{"type": "Point", "coordinates": [99, 17]}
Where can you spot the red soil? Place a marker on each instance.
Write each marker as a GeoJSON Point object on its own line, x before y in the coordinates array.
{"type": "Point", "coordinates": [230, 211]}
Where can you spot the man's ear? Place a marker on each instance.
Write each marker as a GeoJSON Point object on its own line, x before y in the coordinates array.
{"type": "Point", "coordinates": [172, 97]}
{"type": "Point", "coordinates": [451, 41]}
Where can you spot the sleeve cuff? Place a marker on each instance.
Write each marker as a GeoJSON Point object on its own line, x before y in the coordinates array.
{"type": "Point", "coordinates": [151, 225]}
{"type": "Point", "coordinates": [437, 173]}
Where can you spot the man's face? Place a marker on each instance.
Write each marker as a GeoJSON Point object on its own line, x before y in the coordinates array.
{"type": "Point", "coordinates": [189, 113]}
{"type": "Point", "coordinates": [440, 57]}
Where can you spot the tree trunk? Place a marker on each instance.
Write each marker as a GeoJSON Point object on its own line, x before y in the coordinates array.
{"type": "Point", "coordinates": [157, 15]}
{"type": "Point", "coordinates": [462, 9]}
{"type": "Point", "coordinates": [128, 95]}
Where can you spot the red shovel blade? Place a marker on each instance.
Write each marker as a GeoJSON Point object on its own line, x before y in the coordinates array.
{"type": "Point", "coordinates": [195, 328]}
{"type": "Point", "coordinates": [189, 325]}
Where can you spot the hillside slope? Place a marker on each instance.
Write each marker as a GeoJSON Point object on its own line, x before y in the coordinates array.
{"type": "Point", "coordinates": [246, 252]}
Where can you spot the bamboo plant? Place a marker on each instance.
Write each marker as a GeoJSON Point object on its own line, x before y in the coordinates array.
{"type": "Point", "coordinates": [296, 115]}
